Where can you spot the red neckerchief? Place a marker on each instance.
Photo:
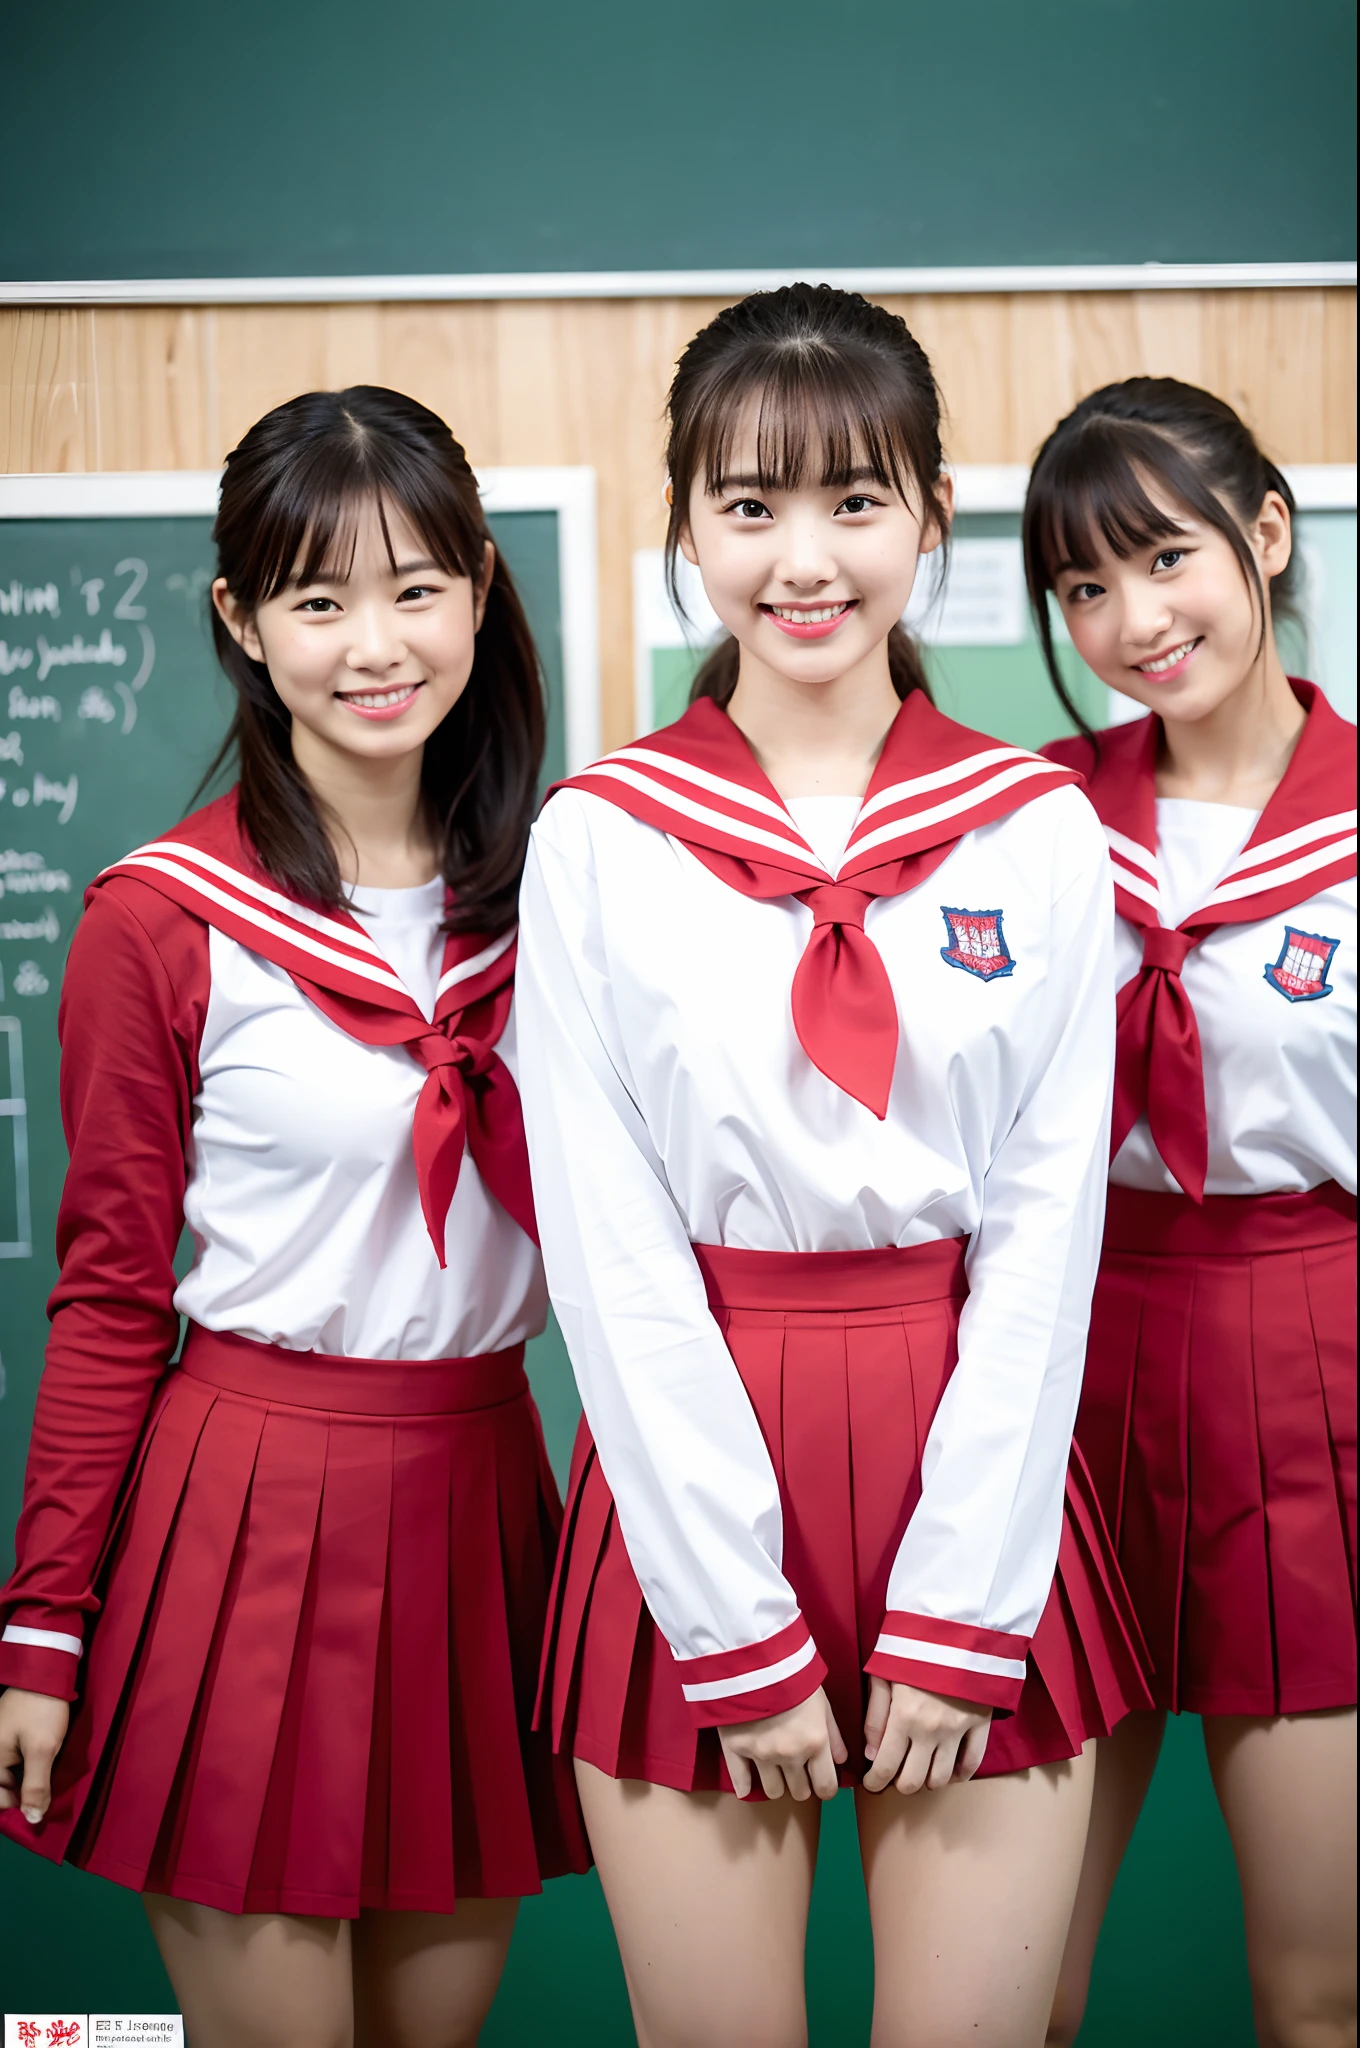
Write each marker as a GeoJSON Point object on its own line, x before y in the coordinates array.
{"type": "Point", "coordinates": [1304, 840]}
{"type": "Point", "coordinates": [699, 781]}
{"type": "Point", "coordinates": [469, 1098]}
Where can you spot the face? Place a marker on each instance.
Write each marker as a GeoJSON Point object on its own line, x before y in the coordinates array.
{"type": "Point", "coordinates": [1175, 626]}
{"type": "Point", "coordinates": [809, 582]}
{"type": "Point", "coordinates": [370, 662]}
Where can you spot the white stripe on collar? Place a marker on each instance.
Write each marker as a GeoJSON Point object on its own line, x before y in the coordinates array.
{"type": "Point", "coordinates": [465, 969]}
{"type": "Point", "coordinates": [211, 893]}
{"type": "Point", "coordinates": [939, 778]}
{"type": "Point", "coordinates": [672, 800]}
{"type": "Point", "coordinates": [274, 899]}
{"type": "Point", "coordinates": [1229, 891]}
{"type": "Point", "coordinates": [971, 799]}
{"type": "Point", "coordinates": [703, 778]}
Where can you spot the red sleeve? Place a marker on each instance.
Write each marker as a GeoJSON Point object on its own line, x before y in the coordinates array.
{"type": "Point", "coordinates": [132, 1009]}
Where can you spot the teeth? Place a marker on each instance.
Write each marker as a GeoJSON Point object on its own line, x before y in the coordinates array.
{"type": "Point", "coordinates": [1165, 661]}
{"type": "Point", "coordinates": [804, 615]}
{"type": "Point", "coordinates": [377, 700]}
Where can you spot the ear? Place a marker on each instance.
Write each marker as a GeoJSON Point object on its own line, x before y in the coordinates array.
{"type": "Point", "coordinates": [933, 533]}
{"type": "Point", "coordinates": [482, 589]}
{"type": "Point", "coordinates": [238, 621]}
{"type": "Point", "coordinates": [1272, 535]}
{"type": "Point", "coordinates": [685, 542]}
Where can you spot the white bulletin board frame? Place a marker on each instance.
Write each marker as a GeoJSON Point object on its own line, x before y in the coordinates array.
{"type": "Point", "coordinates": [569, 491]}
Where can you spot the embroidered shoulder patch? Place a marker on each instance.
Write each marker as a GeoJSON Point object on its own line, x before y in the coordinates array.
{"type": "Point", "coordinates": [977, 943]}
{"type": "Point", "coordinates": [1300, 973]}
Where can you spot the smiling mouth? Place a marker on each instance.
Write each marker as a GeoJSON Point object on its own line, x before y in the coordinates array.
{"type": "Point", "coordinates": [809, 621]}
{"type": "Point", "coordinates": [1165, 663]}
{"type": "Point", "coordinates": [379, 703]}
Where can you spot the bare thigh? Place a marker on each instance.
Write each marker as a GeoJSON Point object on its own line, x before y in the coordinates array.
{"type": "Point", "coordinates": [426, 1980]}
{"type": "Point", "coordinates": [970, 1893]}
{"type": "Point", "coordinates": [1125, 1762]}
{"type": "Point", "coordinates": [256, 1980]}
{"type": "Point", "coordinates": [1287, 1789]}
{"type": "Point", "coordinates": [709, 1898]}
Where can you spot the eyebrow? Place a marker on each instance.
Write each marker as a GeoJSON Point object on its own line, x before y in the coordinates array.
{"type": "Point", "coordinates": [754, 483]}
{"type": "Point", "coordinates": [401, 570]}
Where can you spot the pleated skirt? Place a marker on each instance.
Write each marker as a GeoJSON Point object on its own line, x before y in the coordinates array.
{"type": "Point", "coordinates": [845, 1356]}
{"type": "Point", "coordinates": [310, 1684]}
{"type": "Point", "coordinates": [1218, 1419]}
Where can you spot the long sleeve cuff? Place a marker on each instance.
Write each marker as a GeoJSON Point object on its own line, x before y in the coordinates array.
{"type": "Point", "coordinates": [750, 1683]}
{"type": "Point", "coordinates": [39, 1660]}
{"type": "Point", "coordinates": [951, 1657]}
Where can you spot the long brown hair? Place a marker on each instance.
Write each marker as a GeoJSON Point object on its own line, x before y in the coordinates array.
{"type": "Point", "coordinates": [841, 384]}
{"type": "Point", "coordinates": [291, 497]}
{"type": "Point", "coordinates": [1090, 484]}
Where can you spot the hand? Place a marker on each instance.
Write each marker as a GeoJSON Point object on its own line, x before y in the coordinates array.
{"type": "Point", "coordinates": [798, 1750]}
{"type": "Point", "coordinates": [32, 1730]}
{"type": "Point", "coordinates": [921, 1739]}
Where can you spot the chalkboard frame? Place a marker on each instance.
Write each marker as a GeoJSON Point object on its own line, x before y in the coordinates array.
{"type": "Point", "coordinates": [569, 490]}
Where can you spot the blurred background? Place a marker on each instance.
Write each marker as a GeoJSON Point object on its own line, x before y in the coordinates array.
{"type": "Point", "coordinates": [520, 213]}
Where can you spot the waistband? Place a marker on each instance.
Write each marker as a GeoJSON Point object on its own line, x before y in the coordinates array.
{"type": "Point", "coordinates": [1228, 1226]}
{"type": "Point", "coordinates": [352, 1386]}
{"type": "Point", "coordinates": [797, 1282]}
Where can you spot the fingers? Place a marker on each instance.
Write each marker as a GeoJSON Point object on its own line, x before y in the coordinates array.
{"type": "Point", "coordinates": [942, 1763]}
{"type": "Point", "coordinates": [771, 1779]}
{"type": "Point", "coordinates": [35, 1794]}
{"type": "Point", "coordinates": [876, 1718]}
{"type": "Point", "coordinates": [822, 1767]}
{"type": "Point", "coordinates": [739, 1771]}
{"type": "Point", "coordinates": [796, 1778]}
{"type": "Point", "coordinates": [839, 1753]}
{"type": "Point", "coordinates": [971, 1751]}
{"type": "Point", "coordinates": [892, 1750]}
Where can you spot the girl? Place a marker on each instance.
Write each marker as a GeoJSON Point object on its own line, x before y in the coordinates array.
{"type": "Point", "coordinates": [816, 1102]}
{"type": "Point", "coordinates": [1218, 1415]}
{"type": "Point", "coordinates": [297, 1584]}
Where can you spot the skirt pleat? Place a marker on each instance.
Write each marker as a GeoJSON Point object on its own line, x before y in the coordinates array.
{"type": "Point", "coordinates": [1218, 1417]}
{"type": "Point", "coordinates": [845, 1398]}
{"type": "Point", "coordinates": [310, 1685]}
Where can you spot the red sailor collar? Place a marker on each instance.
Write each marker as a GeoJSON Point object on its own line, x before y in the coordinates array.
{"type": "Point", "coordinates": [1303, 841]}
{"type": "Point", "coordinates": [699, 781]}
{"type": "Point", "coordinates": [208, 867]}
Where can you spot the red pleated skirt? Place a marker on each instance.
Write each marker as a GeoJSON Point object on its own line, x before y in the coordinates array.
{"type": "Point", "coordinates": [310, 1684]}
{"type": "Point", "coordinates": [844, 1356]}
{"type": "Point", "coordinates": [1218, 1421]}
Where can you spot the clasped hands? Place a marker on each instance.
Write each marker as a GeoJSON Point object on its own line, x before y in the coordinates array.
{"type": "Point", "coordinates": [914, 1740]}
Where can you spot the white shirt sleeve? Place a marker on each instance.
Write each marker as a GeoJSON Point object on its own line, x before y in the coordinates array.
{"type": "Point", "coordinates": [975, 1565]}
{"type": "Point", "coordinates": [677, 1438]}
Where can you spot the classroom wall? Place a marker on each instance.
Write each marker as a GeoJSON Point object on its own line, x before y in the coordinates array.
{"type": "Point", "coordinates": [577, 381]}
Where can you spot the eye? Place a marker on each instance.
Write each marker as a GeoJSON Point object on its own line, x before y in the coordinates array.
{"type": "Point", "coordinates": [418, 590]}
{"type": "Point", "coordinates": [317, 607]}
{"type": "Point", "coordinates": [857, 503]}
{"type": "Point", "coordinates": [749, 508]}
{"type": "Point", "coordinates": [1082, 593]}
{"type": "Point", "coordinates": [1170, 558]}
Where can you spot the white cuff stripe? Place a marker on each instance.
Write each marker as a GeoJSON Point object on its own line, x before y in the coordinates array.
{"type": "Point", "coordinates": [42, 1639]}
{"type": "Point", "coordinates": [957, 1660]}
{"type": "Point", "coordinates": [752, 1681]}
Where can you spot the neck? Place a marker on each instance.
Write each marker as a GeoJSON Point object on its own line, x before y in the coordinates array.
{"type": "Point", "coordinates": [815, 738]}
{"type": "Point", "coordinates": [1239, 752]}
{"type": "Point", "coordinates": [374, 815]}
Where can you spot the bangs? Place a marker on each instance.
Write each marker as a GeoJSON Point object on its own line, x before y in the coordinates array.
{"type": "Point", "coordinates": [308, 524]}
{"type": "Point", "coordinates": [822, 416]}
{"type": "Point", "coordinates": [1092, 498]}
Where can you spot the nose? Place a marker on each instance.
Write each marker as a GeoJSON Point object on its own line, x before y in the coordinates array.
{"type": "Point", "coordinates": [806, 561]}
{"type": "Point", "coordinates": [1147, 616]}
{"type": "Point", "coordinates": [376, 642]}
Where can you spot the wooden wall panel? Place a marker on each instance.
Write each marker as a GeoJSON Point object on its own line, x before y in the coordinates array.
{"type": "Point", "coordinates": [567, 381]}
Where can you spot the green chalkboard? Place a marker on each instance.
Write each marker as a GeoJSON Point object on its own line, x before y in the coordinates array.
{"type": "Point", "coordinates": [440, 135]}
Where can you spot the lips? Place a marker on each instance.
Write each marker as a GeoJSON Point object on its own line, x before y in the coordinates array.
{"type": "Point", "coordinates": [1164, 667]}
{"type": "Point", "coordinates": [809, 621]}
{"type": "Point", "coordinates": [379, 704]}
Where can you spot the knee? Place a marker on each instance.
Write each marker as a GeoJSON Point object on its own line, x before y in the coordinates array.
{"type": "Point", "coordinates": [1306, 2007]}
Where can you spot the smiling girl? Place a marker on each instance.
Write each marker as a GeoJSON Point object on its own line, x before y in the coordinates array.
{"type": "Point", "coordinates": [1218, 1414]}
{"type": "Point", "coordinates": [296, 1582]}
{"type": "Point", "coordinates": [816, 1075]}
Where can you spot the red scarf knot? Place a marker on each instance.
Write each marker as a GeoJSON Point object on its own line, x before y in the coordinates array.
{"type": "Point", "coordinates": [1166, 949]}
{"type": "Point", "coordinates": [835, 905]}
